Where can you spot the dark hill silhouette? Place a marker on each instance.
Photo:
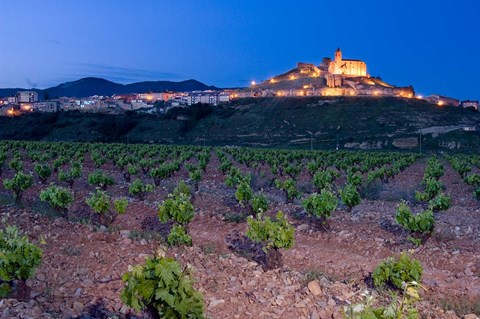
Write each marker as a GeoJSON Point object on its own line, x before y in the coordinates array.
{"type": "Point", "coordinates": [97, 86]}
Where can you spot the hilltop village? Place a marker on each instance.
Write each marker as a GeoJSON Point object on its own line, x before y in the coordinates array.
{"type": "Point", "coordinates": [337, 77]}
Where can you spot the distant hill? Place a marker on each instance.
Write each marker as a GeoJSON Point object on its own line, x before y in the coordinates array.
{"type": "Point", "coordinates": [349, 123]}
{"type": "Point", "coordinates": [98, 86]}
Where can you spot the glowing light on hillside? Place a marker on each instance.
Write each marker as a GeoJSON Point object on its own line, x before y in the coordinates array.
{"type": "Point", "coordinates": [306, 86]}
{"type": "Point", "coordinates": [352, 92]}
{"type": "Point", "coordinates": [10, 112]}
{"type": "Point", "coordinates": [253, 83]}
{"type": "Point", "coordinates": [420, 97]}
{"type": "Point", "coordinates": [440, 103]}
{"type": "Point", "coordinates": [376, 93]}
{"type": "Point", "coordinates": [272, 81]}
{"type": "Point", "coordinates": [292, 77]}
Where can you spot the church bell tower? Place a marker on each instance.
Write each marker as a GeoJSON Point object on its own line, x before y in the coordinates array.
{"type": "Point", "coordinates": [338, 55]}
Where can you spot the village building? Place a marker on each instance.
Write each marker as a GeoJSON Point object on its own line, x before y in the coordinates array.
{"type": "Point", "coordinates": [27, 97]}
{"type": "Point", "coordinates": [471, 104]}
{"type": "Point", "coordinates": [442, 100]}
{"type": "Point", "coordinates": [47, 106]}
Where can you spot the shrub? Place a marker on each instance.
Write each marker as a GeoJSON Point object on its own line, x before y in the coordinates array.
{"type": "Point", "coordinates": [70, 176]}
{"type": "Point", "coordinates": [121, 163]}
{"type": "Point", "coordinates": [323, 179]}
{"type": "Point", "coordinates": [440, 202]}
{"type": "Point", "coordinates": [419, 224]}
{"type": "Point", "coordinates": [145, 165]}
{"type": "Point", "coordinates": [460, 166]}
{"type": "Point", "coordinates": [354, 178]}
{"type": "Point", "coordinates": [120, 205]}
{"type": "Point", "coordinates": [58, 197]}
{"type": "Point", "coordinates": [161, 288]}
{"type": "Point", "coordinates": [101, 204]}
{"type": "Point", "coordinates": [58, 162]}
{"type": "Point", "coordinates": [225, 166]}
{"type": "Point", "coordinates": [181, 188]}
{"type": "Point", "coordinates": [259, 203]}
{"type": "Point", "coordinates": [100, 179]}
{"type": "Point", "coordinates": [350, 196]}
{"type": "Point", "coordinates": [274, 235]}
{"type": "Point", "coordinates": [180, 210]}
{"type": "Point", "coordinates": [312, 167]}
{"type": "Point", "coordinates": [321, 205]}
{"type": "Point", "coordinates": [137, 188]}
{"type": "Point", "coordinates": [19, 259]}
{"type": "Point", "coordinates": [244, 193]}
{"type": "Point", "coordinates": [163, 171]}
{"type": "Point", "coordinates": [434, 169]}
{"type": "Point", "coordinates": [43, 171]}
{"type": "Point", "coordinates": [195, 175]}
{"type": "Point", "coordinates": [432, 188]}
{"type": "Point", "coordinates": [131, 170]}
{"type": "Point", "coordinates": [376, 174]}
{"type": "Point", "coordinates": [178, 236]}
{"type": "Point", "coordinates": [16, 165]}
{"type": "Point", "coordinates": [476, 193]}
{"type": "Point", "coordinates": [289, 187]}
{"type": "Point", "coordinates": [397, 271]}
{"type": "Point", "coordinates": [473, 180]}
{"type": "Point", "coordinates": [98, 159]}
{"type": "Point", "coordinates": [293, 170]}
{"type": "Point", "coordinates": [235, 176]}
{"type": "Point", "coordinates": [18, 184]}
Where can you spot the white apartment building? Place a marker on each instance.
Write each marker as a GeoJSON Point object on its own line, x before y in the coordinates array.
{"type": "Point", "coordinates": [27, 97]}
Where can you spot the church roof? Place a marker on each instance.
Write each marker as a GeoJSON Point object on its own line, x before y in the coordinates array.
{"type": "Point", "coordinates": [353, 60]}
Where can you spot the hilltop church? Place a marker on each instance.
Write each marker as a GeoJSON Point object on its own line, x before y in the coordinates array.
{"type": "Point", "coordinates": [347, 67]}
{"type": "Point", "coordinates": [332, 77]}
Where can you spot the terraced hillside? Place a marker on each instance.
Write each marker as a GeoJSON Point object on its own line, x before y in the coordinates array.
{"type": "Point", "coordinates": [346, 123]}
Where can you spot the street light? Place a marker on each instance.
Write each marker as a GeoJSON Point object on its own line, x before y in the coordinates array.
{"type": "Point", "coordinates": [311, 140]}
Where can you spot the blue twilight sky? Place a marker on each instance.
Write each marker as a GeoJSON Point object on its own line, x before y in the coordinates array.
{"type": "Point", "coordinates": [433, 45]}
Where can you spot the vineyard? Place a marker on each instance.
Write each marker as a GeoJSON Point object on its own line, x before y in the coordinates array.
{"type": "Point", "coordinates": [146, 231]}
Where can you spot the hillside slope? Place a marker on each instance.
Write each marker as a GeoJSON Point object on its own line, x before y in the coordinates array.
{"type": "Point", "coordinates": [356, 123]}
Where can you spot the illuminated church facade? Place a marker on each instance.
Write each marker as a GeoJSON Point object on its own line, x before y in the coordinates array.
{"type": "Point", "coordinates": [347, 67]}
